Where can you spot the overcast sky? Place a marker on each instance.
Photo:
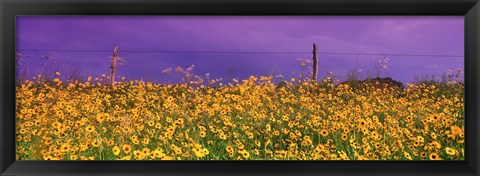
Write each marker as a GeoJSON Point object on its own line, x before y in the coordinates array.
{"type": "Point", "coordinates": [418, 35]}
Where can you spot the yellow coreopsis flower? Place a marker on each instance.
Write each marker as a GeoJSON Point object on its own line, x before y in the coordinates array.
{"type": "Point", "coordinates": [450, 151]}
{"type": "Point", "coordinates": [127, 148]}
{"type": "Point", "coordinates": [116, 150]}
{"type": "Point", "coordinates": [407, 155]}
{"type": "Point", "coordinates": [90, 128]}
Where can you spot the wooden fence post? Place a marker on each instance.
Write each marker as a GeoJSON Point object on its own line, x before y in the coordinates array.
{"type": "Point", "coordinates": [113, 67]}
{"type": "Point", "coordinates": [315, 62]}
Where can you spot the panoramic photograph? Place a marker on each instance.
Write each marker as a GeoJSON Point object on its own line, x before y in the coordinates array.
{"type": "Point", "coordinates": [239, 88]}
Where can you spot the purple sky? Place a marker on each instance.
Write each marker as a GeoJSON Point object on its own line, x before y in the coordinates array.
{"type": "Point", "coordinates": [441, 35]}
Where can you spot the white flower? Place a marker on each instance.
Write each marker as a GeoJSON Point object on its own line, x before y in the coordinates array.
{"type": "Point", "coordinates": [449, 71]}
{"type": "Point", "coordinates": [189, 69]}
{"type": "Point", "coordinates": [167, 71]}
{"type": "Point", "coordinates": [179, 69]}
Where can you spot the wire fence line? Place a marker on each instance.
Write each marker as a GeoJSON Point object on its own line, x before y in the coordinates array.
{"type": "Point", "coordinates": [241, 52]}
{"type": "Point", "coordinates": [21, 51]}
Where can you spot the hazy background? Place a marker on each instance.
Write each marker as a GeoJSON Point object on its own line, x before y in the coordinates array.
{"type": "Point", "coordinates": [151, 44]}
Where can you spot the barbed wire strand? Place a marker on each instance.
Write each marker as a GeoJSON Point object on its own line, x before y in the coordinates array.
{"type": "Point", "coordinates": [240, 52]}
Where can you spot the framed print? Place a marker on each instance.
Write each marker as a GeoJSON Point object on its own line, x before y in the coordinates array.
{"type": "Point", "coordinates": [251, 87]}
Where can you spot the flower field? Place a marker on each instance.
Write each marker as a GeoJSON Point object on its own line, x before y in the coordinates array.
{"type": "Point", "coordinates": [253, 119]}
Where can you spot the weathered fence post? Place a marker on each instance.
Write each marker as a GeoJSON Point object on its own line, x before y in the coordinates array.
{"type": "Point", "coordinates": [113, 67]}
{"type": "Point", "coordinates": [315, 62]}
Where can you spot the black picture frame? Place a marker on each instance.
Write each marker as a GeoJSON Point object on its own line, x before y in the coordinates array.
{"type": "Point", "coordinates": [11, 8]}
